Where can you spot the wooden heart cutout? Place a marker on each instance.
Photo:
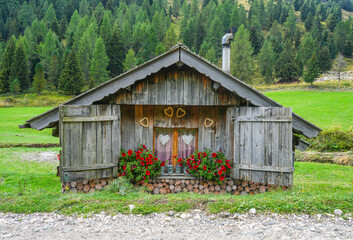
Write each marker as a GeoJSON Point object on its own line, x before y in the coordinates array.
{"type": "Point", "coordinates": [208, 122]}
{"type": "Point", "coordinates": [180, 113]}
{"type": "Point", "coordinates": [168, 112]}
{"type": "Point", "coordinates": [144, 122]}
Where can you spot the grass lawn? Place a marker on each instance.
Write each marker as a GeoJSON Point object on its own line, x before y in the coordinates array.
{"type": "Point", "coordinates": [10, 118]}
{"type": "Point", "coordinates": [27, 187]}
{"type": "Point", "coordinates": [324, 109]}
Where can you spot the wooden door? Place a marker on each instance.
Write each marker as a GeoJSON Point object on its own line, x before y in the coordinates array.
{"type": "Point", "coordinates": [263, 145]}
{"type": "Point", "coordinates": [90, 141]}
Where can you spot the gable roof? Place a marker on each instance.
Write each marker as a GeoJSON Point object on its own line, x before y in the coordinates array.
{"type": "Point", "coordinates": [177, 54]}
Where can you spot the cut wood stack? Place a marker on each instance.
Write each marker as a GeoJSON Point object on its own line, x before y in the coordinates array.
{"type": "Point", "coordinates": [166, 186]}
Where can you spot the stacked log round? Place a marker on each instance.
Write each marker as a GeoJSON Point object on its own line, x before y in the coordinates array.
{"type": "Point", "coordinates": [166, 186]}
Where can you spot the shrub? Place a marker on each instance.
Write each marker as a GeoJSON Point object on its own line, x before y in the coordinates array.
{"type": "Point", "coordinates": [139, 166]}
{"type": "Point", "coordinates": [121, 186]}
{"type": "Point", "coordinates": [333, 140]}
{"type": "Point", "coordinates": [207, 165]}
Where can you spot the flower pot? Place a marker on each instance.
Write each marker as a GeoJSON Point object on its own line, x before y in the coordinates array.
{"type": "Point", "coordinates": [185, 168]}
{"type": "Point", "coordinates": [162, 170]}
{"type": "Point", "coordinates": [178, 169]}
{"type": "Point", "coordinates": [170, 169]}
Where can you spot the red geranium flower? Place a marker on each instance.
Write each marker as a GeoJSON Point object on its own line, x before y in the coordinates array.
{"type": "Point", "coordinates": [209, 171]}
{"type": "Point", "coordinates": [124, 167]}
{"type": "Point", "coordinates": [129, 152]}
{"type": "Point", "coordinates": [155, 159]}
{"type": "Point", "coordinates": [204, 167]}
{"type": "Point", "coordinates": [192, 157]}
{"type": "Point", "coordinates": [195, 166]}
{"type": "Point", "coordinates": [147, 173]}
{"type": "Point", "coordinates": [187, 171]}
{"type": "Point", "coordinates": [162, 164]}
{"type": "Point", "coordinates": [123, 154]}
{"type": "Point", "coordinates": [123, 173]}
{"type": "Point", "coordinates": [150, 156]}
{"type": "Point", "coordinates": [204, 154]}
{"type": "Point", "coordinates": [142, 163]}
{"type": "Point", "coordinates": [222, 178]}
{"type": "Point", "coordinates": [180, 165]}
{"type": "Point", "coordinates": [180, 159]}
{"type": "Point", "coordinates": [220, 172]}
{"type": "Point", "coordinates": [229, 166]}
{"type": "Point", "coordinates": [214, 155]}
{"type": "Point", "coordinates": [119, 174]}
{"type": "Point", "coordinates": [144, 146]}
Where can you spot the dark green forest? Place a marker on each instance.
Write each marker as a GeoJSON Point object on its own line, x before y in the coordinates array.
{"type": "Point", "coordinates": [71, 46]}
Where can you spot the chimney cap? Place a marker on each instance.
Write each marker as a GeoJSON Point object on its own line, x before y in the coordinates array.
{"type": "Point", "coordinates": [227, 38]}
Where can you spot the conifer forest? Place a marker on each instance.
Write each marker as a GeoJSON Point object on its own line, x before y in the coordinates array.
{"type": "Point", "coordinates": [71, 46]}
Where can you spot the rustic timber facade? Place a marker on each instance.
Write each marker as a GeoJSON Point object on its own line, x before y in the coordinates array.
{"type": "Point", "coordinates": [174, 104]}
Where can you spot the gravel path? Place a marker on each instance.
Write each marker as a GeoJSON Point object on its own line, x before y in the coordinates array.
{"type": "Point", "coordinates": [192, 225]}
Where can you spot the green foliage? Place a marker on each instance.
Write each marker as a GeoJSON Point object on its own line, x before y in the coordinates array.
{"type": "Point", "coordinates": [6, 63]}
{"type": "Point", "coordinates": [139, 166]}
{"type": "Point", "coordinates": [116, 53]}
{"type": "Point", "coordinates": [99, 63]}
{"type": "Point", "coordinates": [287, 67]}
{"type": "Point", "coordinates": [39, 80]}
{"type": "Point", "coordinates": [241, 56]}
{"type": "Point", "coordinates": [120, 186]}
{"type": "Point", "coordinates": [333, 140]}
{"type": "Point", "coordinates": [15, 87]}
{"type": "Point", "coordinates": [71, 80]}
{"type": "Point", "coordinates": [130, 60]}
{"type": "Point", "coordinates": [256, 36]}
{"type": "Point", "coordinates": [312, 71]}
{"type": "Point", "coordinates": [170, 38]}
{"type": "Point", "coordinates": [266, 61]}
{"type": "Point", "coordinates": [20, 67]}
{"type": "Point", "coordinates": [306, 48]}
{"type": "Point", "coordinates": [207, 165]}
{"type": "Point", "coordinates": [211, 55]}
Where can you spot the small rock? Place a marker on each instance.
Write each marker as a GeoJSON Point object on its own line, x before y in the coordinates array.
{"type": "Point", "coordinates": [338, 212]}
{"type": "Point", "coordinates": [253, 211]}
{"type": "Point", "coordinates": [168, 219]}
{"type": "Point", "coordinates": [170, 213]}
{"type": "Point", "coordinates": [131, 206]}
{"type": "Point", "coordinates": [225, 215]}
{"type": "Point", "coordinates": [197, 217]}
{"type": "Point", "coordinates": [183, 216]}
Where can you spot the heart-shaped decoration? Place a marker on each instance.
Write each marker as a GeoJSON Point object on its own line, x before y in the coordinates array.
{"type": "Point", "coordinates": [168, 112]}
{"type": "Point", "coordinates": [208, 122]}
{"type": "Point", "coordinates": [144, 122]}
{"type": "Point", "coordinates": [180, 113]}
{"type": "Point", "coordinates": [163, 138]}
{"type": "Point", "coordinates": [187, 138]}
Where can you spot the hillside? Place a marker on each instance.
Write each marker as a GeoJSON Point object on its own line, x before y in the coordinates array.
{"type": "Point", "coordinates": [73, 45]}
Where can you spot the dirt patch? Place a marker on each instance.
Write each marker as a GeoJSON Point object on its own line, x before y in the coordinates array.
{"type": "Point", "coordinates": [48, 156]}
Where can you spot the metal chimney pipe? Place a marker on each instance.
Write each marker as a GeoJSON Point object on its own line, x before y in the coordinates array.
{"type": "Point", "coordinates": [226, 39]}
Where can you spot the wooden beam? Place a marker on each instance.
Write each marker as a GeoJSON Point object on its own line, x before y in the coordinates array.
{"type": "Point", "coordinates": [90, 119]}
{"type": "Point", "coordinates": [265, 168]}
{"type": "Point", "coordinates": [264, 119]}
{"type": "Point", "coordinates": [89, 167]}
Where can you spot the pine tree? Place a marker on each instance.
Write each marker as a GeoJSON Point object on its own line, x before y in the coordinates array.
{"type": "Point", "coordinates": [54, 69]}
{"type": "Point", "coordinates": [39, 81]}
{"type": "Point", "coordinates": [211, 55]}
{"type": "Point", "coordinates": [71, 81]}
{"type": "Point", "coordinates": [312, 71]}
{"type": "Point", "coordinates": [170, 38]}
{"type": "Point", "coordinates": [130, 60]}
{"type": "Point", "coordinates": [99, 63]}
{"type": "Point", "coordinates": [324, 58]}
{"type": "Point", "coordinates": [266, 61]}
{"type": "Point", "coordinates": [241, 56]}
{"type": "Point", "coordinates": [15, 87]}
{"type": "Point", "coordinates": [6, 63]}
{"type": "Point", "coordinates": [256, 35]}
{"type": "Point", "coordinates": [116, 53]}
{"type": "Point", "coordinates": [106, 28]}
{"type": "Point", "coordinates": [159, 49]}
{"type": "Point", "coordinates": [290, 23]}
{"type": "Point", "coordinates": [20, 67]}
{"type": "Point", "coordinates": [85, 55]}
{"type": "Point", "coordinates": [309, 22]}
{"type": "Point", "coordinates": [286, 66]}
{"type": "Point", "coordinates": [275, 37]}
{"type": "Point", "coordinates": [48, 48]}
{"type": "Point", "coordinates": [306, 48]}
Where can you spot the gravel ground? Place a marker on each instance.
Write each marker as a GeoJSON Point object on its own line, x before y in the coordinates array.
{"type": "Point", "coordinates": [193, 225]}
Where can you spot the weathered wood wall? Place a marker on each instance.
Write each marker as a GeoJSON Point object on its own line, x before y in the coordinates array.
{"type": "Point", "coordinates": [263, 145]}
{"type": "Point", "coordinates": [90, 141]}
{"type": "Point", "coordinates": [174, 86]}
{"type": "Point", "coordinates": [133, 133]}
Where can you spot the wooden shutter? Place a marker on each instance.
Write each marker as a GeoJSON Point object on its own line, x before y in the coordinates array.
{"type": "Point", "coordinates": [263, 145]}
{"type": "Point", "coordinates": [90, 141]}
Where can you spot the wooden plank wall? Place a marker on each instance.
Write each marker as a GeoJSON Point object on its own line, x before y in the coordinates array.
{"type": "Point", "coordinates": [263, 145]}
{"type": "Point", "coordinates": [175, 86]}
{"type": "Point", "coordinates": [133, 133]}
{"type": "Point", "coordinates": [90, 141]}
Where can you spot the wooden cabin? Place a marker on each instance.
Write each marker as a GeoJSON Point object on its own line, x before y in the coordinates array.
{"type": "Point", "coordinates": [174, 104]}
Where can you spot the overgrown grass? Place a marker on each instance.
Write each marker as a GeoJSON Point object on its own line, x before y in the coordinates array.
{"type": "Point", "coordinates": [324, 109]}
{"type": "Point", "coordinates": [333, 140]}
{"type": "Point", "coordinates": [318, 188]}
{"type": "Point", "coordinates": [11, 134]}
{"type": "Point", "coordinates": [46, 99]}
